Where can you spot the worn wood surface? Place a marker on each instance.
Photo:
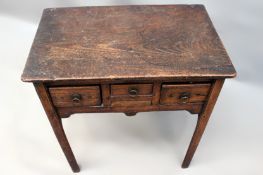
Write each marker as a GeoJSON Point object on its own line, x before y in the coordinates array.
{"type": "Point", "coordinates": [126, 42]}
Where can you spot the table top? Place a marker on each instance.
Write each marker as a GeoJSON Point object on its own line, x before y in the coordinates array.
{"type": "Point", "coordinates": [126, 42]}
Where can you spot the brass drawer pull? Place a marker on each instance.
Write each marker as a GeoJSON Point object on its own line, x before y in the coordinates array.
{"type": "Point", "coordinates": [184, 97]}
{"type": "Point", "coordinates": [133, 91]}
{"type": "Point", "coordinates": [76, 98]}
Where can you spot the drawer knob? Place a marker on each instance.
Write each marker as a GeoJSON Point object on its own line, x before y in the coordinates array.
{"type": "Point", "coordinates": [133, 91]}
{"type": "Point", "coordinates": [76, 98]}
{"type": "Point", "coordinates": [184, 97]}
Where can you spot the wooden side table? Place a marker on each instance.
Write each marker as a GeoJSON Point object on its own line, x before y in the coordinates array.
{"type": "Point", "coordinates": [127, 59]}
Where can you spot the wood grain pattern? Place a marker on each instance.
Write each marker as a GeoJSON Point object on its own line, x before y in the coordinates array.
{"type": "Point", "coordinates": [126, 42]}
{"type": "Point", "coordinates": [63, 96]}
{"type": "Point", "coordinates": [170, 94]}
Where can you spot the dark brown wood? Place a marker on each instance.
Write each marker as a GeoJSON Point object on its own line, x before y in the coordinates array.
{"type": "Point", "coordinates": [135, 80]}
{"type": "Point", "coordinates": [193, 93]}
{"type": "Point", "coordinates": [130, 103]}
{"type": "Point", "coordinates": [75, 96]}
{"type": "Point", "coordinates": [131, 95]}
{"type": "Point", "coordinates": [126, 42]}
{"type": "Point", "coordinates": [105, 89]}
{"type": "Point", "coordinates": [127, 59]}
{"type": "Point", "coordinates": [202, 121]}
{"type": "Point", "coordinates": [194, 108]}
{"type": "Point", "coordinates": [56, 124]}
{"type": "Point", "coordinates": [156, 93]}
{"type": "Point", "coordinates": [130, 114]}
{"type": "Point", "coordinates": [125, 89]}
{"type": "Point", "coordinates": [133, 98]}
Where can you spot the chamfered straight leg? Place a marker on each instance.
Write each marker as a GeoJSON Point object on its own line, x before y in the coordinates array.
{"type": "Point", "coordinates": [56, 124]}
{"type": "Point", "coordinates": [203, 118]}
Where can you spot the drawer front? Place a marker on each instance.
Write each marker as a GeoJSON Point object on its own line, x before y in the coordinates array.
{"type": "Point", "coordinates": [131, 95]}
{"type": "Point", "coordinates": [184, 93]}
{"type": "Point", "coordinates": [75, 96]}
{"type": "Point", "coordinates": [131, 89]}
{"type": "Point", "coordinates": [116, 103]}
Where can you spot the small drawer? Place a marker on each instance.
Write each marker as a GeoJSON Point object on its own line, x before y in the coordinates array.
{"type": "Point", "coordinates": [129, 95]}
{"type": "Point", "coordinates": [184, 93]}
{"type": "Point", "coordinates": [75, 96]}
{"type": "Point", "coordinates": [131, 90]}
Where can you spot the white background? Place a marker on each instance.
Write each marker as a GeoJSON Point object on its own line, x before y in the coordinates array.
{"type": "Point", "coordinates": [150, 143]}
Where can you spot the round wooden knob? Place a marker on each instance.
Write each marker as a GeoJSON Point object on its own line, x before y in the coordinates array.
{"type": "Point", "coordinates": [76, 98]}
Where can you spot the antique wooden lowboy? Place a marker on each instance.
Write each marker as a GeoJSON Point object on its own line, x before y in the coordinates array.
{"type": "Point", "coordinates": [127, 59]}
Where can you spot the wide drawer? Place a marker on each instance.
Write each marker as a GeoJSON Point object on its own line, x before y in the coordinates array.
{"type": "Point", "coordinates": [75, 96]}
{"type": "Point", "coordinates": [184, 93]}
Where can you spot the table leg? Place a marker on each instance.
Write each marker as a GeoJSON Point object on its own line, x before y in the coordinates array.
{"type": "Point", "coordinates": [56, 124]}
{"type": "Point", "coordinates": [202, 121]}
